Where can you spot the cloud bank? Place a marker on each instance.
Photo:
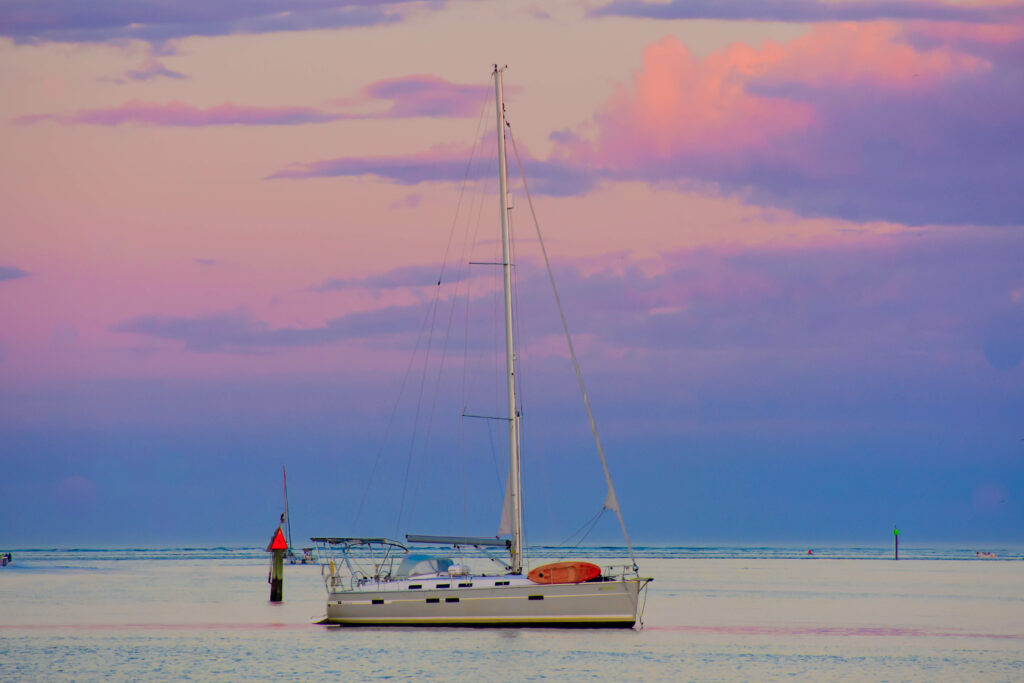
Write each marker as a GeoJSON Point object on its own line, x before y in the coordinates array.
{"type": "Point", "coordinates": [812, 10]}
{"type": "Point", "coordinates": [853, 121]}
{"type": "Point", "coordinates": [410, 97]}
{"type": "Point", "coordinates": [935, 295]}
{"type": "Point", "coordinates": [37, 21]}
{"type": "Point", "coordinates": [187, 115]}
{"type": "Point", "coordinates": [919, 124]}
{"type": "Point", "coordinates": [426, 96]}
{"type": "Point", "coordinates": [11, 273]}
{"type": "Point", "coordinates": [402, 277]}
{"type": "Point", "coordinates": [445, 163]}
{"type": "Point", "coordinates": [238, 332]}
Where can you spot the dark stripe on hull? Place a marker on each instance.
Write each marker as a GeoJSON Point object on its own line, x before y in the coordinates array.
{"type": "Point", "coordinates": [513, 624]}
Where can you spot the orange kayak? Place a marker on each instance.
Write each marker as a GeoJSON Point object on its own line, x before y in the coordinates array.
{"type": "Point", "coordinates": [565, 572]}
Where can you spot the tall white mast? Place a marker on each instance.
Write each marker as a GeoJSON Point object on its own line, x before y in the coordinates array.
{"type": "Point", "coordinates": [515, 486]}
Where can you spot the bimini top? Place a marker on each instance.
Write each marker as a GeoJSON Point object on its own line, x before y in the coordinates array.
{"type": "Point", "coordinates": [418, 565]}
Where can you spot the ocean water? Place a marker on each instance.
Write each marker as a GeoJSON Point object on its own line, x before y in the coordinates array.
{"type": "Point", "coordinates": [712, 614]}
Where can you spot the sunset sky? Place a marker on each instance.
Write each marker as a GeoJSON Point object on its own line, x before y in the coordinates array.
{"type": "Point", "coordinates": [788, 236]}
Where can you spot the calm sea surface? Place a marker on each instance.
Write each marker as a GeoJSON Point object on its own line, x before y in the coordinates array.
{"type": "Point", "coordinates": [756, 614]}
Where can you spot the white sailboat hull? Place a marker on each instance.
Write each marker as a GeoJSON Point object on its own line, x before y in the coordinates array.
{"type": "Point", "coordinates": [612, 603]}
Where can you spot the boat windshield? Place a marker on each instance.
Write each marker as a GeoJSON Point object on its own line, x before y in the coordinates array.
{"type": "Point", "coordinates": [417, 565]}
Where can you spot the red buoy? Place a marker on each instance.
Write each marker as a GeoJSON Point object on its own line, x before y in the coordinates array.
{"type": "Point", "coordinates": [565, 572]}
{"type": "Point", "coordinates": [278, 542]}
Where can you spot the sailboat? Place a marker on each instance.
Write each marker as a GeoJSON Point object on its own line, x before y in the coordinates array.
{"type": "Point", "coordinates": [286, 519]}
{"type": "Point", "coordinates": [381, 582]}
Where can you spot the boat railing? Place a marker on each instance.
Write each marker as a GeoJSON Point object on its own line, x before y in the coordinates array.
{"type": "Point", "coordinates": [622, 571]}
{"type": "Point", "coordinates": [366, 560]}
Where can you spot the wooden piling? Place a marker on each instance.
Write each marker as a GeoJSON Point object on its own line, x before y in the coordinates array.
{"type": "Point", "coordinates": [277, 577]}
{"type": "Point", "coordinates": [278, 546]}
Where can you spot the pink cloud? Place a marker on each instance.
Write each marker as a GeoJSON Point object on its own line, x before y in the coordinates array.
{"type": "Point", "coordinates": [878, 121]}
{"type": "Point", "coordinates": [678, 102]}
{"type": "Point", "coordinates": [873, 53]}
{"type": "Point", "coordinates": [721, 106]}
{"type": "Point", "coordinates": [915, 123]}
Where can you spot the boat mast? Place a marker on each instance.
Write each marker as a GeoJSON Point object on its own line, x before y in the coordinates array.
{"type": "Point", "coordinates": [514, 473]}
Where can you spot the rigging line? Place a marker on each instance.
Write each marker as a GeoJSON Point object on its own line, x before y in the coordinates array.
{"type": "Point", "coordinates": [588, 526]}
{"type": "Point", "coordinates": [517, 307]}
{"type": "Point", "coordinates": [611, 500]}
{"type": "Point", "coordinates": [433, 316]}
{"type": "Point", "coordinates": [472, 245]}
{"type": "Point", "coordinates": [462, 390]}
{"type": "Point", "coordinates": [494, 458]}
{"type": "Point", "coordinates": [522, 375]}
{"type": "Point", "coordinates": [462, 187]}
{"type": "Point", "coordinates": [519, 375]}
{"type": "Point", "coordinates": [419, 405]}
{"type": "Point", "coordinates": [391, 419]}
{"type": "Point", "coordinates": [462, 462]}
{"type": "Point", "coordinates": [445, 347]}
{"type": "Point", "coordinates": [433, 402]}
{"type": "Point", "coordinates": [464, 259]}
{"type": "Point", "coordinates": [497, 329]}
{"type": "Point", "coordinates": [472, 231]}
{"type": "Point", "coordinates": [518, 372]}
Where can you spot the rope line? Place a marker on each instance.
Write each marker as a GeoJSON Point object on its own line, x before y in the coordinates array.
{"type": "Point", "coordinates": [611, 501]}
{"type": "Point", "coordinates": [430, 338]}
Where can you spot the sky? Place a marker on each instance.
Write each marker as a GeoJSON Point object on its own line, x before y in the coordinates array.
{"type": "Point", "coordinates": [788, 236]}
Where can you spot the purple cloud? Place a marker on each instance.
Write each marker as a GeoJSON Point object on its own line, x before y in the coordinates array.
{"type": "Point", "coordinates": [546, 177]}
{"type": "Point", "coordinates": [152, 69]}
{"type": "Point", "coordinates": [31, 21]}
{"type": "Point", "coordinates": [412, 96]}
{"type": "Point", "coordinates": [429, 96]}
{"type": "Point", "coordinates": [408, 170]}
{"type": "Point", "coordinates": [11, 273]}
{"type": "Point", "coordinates": [952, 156]}
{"type": "Point", "coordinates": [936, 294]}
{"type": "Point", "coordinates": [181, 114]}
{"type": "Point", "coordinates": [922, 126]}
{"type": "Point", "coordinates": [239, 332]}
{"type": "Point", "coordinates": [812, 10]}
{"type": "Point", "coordinates": [409, 201]}
{"type": "Point", "coordinates": [859, 122]}
{"type": "Point", "coordinates": [403, 277]}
